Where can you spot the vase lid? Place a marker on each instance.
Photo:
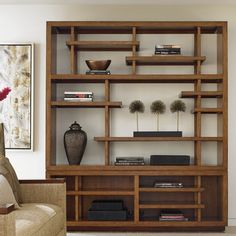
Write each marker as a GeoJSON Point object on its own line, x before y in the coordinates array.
{"type": "Point", "coordinates": [75, 126]}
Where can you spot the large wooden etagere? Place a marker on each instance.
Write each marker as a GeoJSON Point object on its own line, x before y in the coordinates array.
{"type": "Point", "coordinates": [204, 196]}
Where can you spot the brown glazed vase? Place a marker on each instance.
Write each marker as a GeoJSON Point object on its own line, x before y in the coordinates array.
{"type": "Point", "coordinates": [75, 141]}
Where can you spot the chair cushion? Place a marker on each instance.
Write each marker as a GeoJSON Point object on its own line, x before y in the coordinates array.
{"type": "Point", "coordinates": [6, 194]}
{"type": "Point", "coordinates": [39, 219]}
{"type": "Point", "coordinates": [7, 170]}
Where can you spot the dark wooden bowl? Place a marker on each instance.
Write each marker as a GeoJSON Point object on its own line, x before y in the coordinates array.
{"type": "Point", "coordinates": [98, 64]}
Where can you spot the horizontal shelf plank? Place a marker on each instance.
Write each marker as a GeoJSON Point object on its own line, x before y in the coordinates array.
{"type": "Point", "coordinates": [145, 223]}
{"type": "Point", "coordinates": [101, 193]}
{"type": "Point", "coordinates": [104, 45]}
{"type": "Point", "coordinates": [171, 206]}
{"type": "Point", "coordinates": [138, 78]}
{"type": "Point", "coordinates": [143, 27]}
{"type": "Point", "coordinates": [155, 139]}
{"type": "Point", "coordinates": [66, 104]}
{"type": "Point", "coordinates": [171, 190]}
{"type": "Point", "coordinates": [208, 110]}
{"type": "Point", "coordinates": [203, 94]}
{"type": "Point", "coordinates": [101, 170]}
{"type": "Point", "coordinates": [164, 60]}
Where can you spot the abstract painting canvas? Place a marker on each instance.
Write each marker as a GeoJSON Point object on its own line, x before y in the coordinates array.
{"type": "Point", "coordinates": [16, 111]}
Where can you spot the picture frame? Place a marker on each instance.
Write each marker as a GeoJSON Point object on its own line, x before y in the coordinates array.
{"type": "Point", "coordinates": [17, 110]}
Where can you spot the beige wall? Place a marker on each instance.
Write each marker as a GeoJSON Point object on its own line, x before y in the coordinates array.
{"type": "Point", "coordinates": [28, 24]}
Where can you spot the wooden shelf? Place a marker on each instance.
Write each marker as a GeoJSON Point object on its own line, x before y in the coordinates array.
{"type": "Point", "coordinates": [203, 94]}
{"type": "Point", "coordinates": [164, 60]}
{"type": "Point", "coordinates": [154, 139]}
{"type": "Point", "coordinates": [137, 78]}
{"type": "Point", "coordinates": [101, 193]}
{"type": "Point", "coordinates": [171, 206]}
{"type": "Point", "coordinates": [65, 104]}
{"type": "Point", "coordinates": [171, 190]}
{"type": "Point", "coordinates": [104, 45]}
{"type": "Point", "coordinates": [208, 110]}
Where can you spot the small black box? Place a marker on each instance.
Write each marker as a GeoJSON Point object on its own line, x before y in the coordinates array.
{"type": "Point", "coordinates": [157, 133]}
{"type": "Point", "coordinates": [107, 215]}
{"type": "Point", "coordinates": [107, 205]}
{"type": "Point", "coordinates": [169, 160]}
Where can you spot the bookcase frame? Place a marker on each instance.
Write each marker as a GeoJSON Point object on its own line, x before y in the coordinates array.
{"type": "Point", "coordinates": [205, 197]}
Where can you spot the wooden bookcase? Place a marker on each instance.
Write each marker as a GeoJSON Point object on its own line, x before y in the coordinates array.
{"type": "Point", "coordinates": [204, 196]}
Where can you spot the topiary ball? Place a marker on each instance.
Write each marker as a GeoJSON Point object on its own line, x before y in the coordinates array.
{"type": "Point", "coordinates": [177, 105]}
{"type": "Point", "coordinates": [136, 106]}
{"type": "Point", "coordinates": [158, 107]}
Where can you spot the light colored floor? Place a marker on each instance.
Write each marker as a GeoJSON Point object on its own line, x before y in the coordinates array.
{"type": "Point", "coordinates": [229, 232]}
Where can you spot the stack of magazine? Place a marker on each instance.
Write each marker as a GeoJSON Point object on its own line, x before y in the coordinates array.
{"type": "Point", "coordinates": [78, 96]}
{"type": "Point", "coordinates": [172, 215]}
{"type": "Point", "coordinates": [168, 185]}
{"type": "Point", "coordinates": [129, 161]}
{"type": "Point", "coordinates": [167, 50]}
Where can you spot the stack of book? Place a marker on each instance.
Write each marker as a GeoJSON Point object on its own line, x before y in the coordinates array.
{"type": "Point", "coordinates": [98, 72]}
{"type": "Point", "coordinates": [129, 161]}
{"type": "Point", "coordinates": [172, 215]}
{"type": "Point", "coordinates": [168, 185]}
{"type": "Point", "coordinates": [167, 50]}
{"type": "Point", "coordinates": [77, 96]}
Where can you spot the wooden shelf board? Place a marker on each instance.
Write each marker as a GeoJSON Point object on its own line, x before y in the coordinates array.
{"type": "Point", "coordinates": [155, 139]}
{"type": "Point", "coordinates": [138, 78]}
{"type": "Point", "coordinates": [86, 170]}
{"type": "Point", "coordinates": [171, 206]}
{"type": "Point", "coordinates": [171, 189]}
{"type": "Point", "coordinates": [203, 94]}
{"type": "Point", "coordinates": [124, 27]}
{"type": "Point", "coordinates": [164, 60]}
{"type": "Point", "coordinates": [101, 193]}
{"type": "Point", "coordinates": [208, 110]}
{"type": "Point", "coordinates": [66, 104]}
{"type": "Point", "coordinates": [104, 45]}
{"type": "Point", "coordinates": [145, 223]}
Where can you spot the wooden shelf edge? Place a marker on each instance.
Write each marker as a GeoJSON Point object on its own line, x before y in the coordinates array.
{"type": "Point", "coordinates": [104, 45]}
{"type": "Point", "coordinates": [66, 104]}
{"type": "Point", "coordinates": [155, 139]}
{"type": "Point", "coordinates": [203, 94]}
{"type": "Point", "coordinates": [143, 189]}
{"type": "Point", "coordinates": [101, 193]}
{"type": "Point", "coordinates": [171, 206]}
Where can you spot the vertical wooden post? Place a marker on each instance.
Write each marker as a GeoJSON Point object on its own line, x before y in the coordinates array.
{"type": "Point", "coordinates": [107, 122]}
{"type": "Point", "coordinates": [76, 198]}
{"type": "Point", "coordinates": [197, 117]}
{"type": "Point", "coordinates": [136, 198]}
{"type": "Point", "coordinates": [73, 54]}
{"type": "Point", "coordinates": [134, 50]}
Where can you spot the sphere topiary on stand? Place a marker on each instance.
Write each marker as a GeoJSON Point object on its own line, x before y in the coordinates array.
{"type": "Point", "coordinates": [136, 107]}
{"type": "Point", "coordinates": [158, 107]}
{"type": "Point", "coordinates": [177, 106]}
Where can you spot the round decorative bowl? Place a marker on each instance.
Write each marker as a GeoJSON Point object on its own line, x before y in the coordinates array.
{"type": "Point", "coordinates": [98, 64]}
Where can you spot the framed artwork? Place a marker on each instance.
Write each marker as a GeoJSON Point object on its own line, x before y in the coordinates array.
{"type": "Point", "coordinates": [16, 111]}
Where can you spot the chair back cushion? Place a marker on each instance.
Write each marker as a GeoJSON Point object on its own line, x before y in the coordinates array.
{"type": "Point", "coordinates": [9, 173]}
{"type": "Point", "coordinates": [6, 193]}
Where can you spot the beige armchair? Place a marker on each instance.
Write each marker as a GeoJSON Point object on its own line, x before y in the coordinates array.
{"type": "Point", "coordinates": [42, 213]}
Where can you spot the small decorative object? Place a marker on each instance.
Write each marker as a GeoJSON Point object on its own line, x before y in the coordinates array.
{"type": "Point", "coordinates": [98, 66]}
{"type": "Point", "coordinates": [136, 107]}
{"type": "Point", "coordinates": [75, 140]}
{"type": "Point", "coordinates": [177, 106]}
{"type": "Point", "coordinates": [158, 107]}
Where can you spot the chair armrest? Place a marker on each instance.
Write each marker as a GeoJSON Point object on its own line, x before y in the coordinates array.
{"type": "Point", "coordinates": [51, 191]}
{"type": "Point", "coordinates": [7, 220]}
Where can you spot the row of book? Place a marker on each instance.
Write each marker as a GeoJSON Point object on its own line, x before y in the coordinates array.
{"type": "Point", "coordinates": [78, 96]}
{"type": "Point", "coordinates": [172, 215]}
{"type": "Point", "coordinates": [129, 161]}
{"type": "Point", "coordinates": [167, 50]}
